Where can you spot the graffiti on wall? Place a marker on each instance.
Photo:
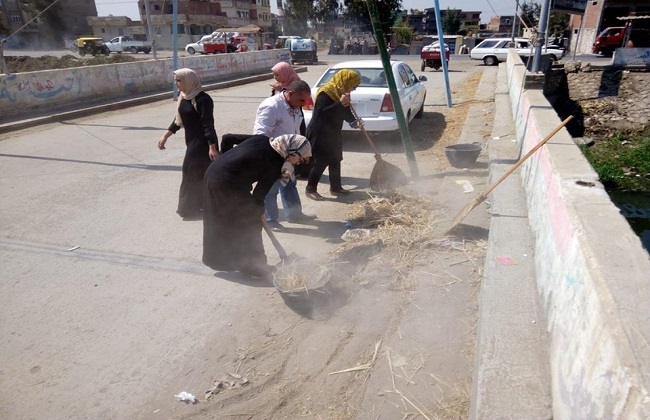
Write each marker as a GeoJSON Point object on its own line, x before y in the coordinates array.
{"type": "Point", "coordinates": [44, 88]}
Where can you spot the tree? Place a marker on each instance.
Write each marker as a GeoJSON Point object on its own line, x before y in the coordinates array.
{"type": "Point", "coordinates": [558, 23]}
{"type": "Point", "coordinates": [529, 13]}
{"type": "Point", "coordinates": [402, 32]}
{"type": "Point", "coordinates": [387, 10]}
{"type": "Point", "coordinates": [326, 12]}
{"type": "Point", "coordinates": [451, 23]}
{"type": "Point", "coordinates": [297, 14]}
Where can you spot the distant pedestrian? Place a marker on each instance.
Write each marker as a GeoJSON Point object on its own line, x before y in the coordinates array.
{"type": "Point", "coordinates": [284, 74]}
{"type": "Point", "coordinates": [194, 113]}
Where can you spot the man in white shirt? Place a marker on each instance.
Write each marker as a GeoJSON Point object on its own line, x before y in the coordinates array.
{"type": "Point", "coordinates": [278, 115]}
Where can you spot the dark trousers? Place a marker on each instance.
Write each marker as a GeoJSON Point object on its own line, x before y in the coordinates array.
{"type": "Point", "coordinates": [317, 171]}
{"type": "Point", "coordinates": [228, 141]}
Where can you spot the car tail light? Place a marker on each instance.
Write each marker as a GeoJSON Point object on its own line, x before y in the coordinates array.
{"type": "Point", "coordinates": [387, 104]}
{"type": "Point", "coordinates": [309, 105]}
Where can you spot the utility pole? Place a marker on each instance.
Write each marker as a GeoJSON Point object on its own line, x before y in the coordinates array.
{"type": "Point", "coordinates": [514, 21]}
{"type": "Point", "coordinates": [150, 29]}
{"type": "Point", "coordinates": [443, 52]}
{"type": "Point", "coordinates": [541, 38]}
{"type": "Point", "coordinates": [175, 41]}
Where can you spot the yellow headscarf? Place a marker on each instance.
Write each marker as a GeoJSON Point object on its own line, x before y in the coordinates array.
{"type": "Point", "coordinates": [343, 81]}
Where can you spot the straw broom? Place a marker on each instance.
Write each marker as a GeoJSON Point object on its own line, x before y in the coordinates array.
{"type": "Point", "coordinates": [384, 176]}
{"type": "Point", "coordinates": [482, 196]}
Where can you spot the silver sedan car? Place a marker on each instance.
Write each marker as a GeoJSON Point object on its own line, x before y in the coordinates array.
{"type": "Point", "coordinates": [372, 99]}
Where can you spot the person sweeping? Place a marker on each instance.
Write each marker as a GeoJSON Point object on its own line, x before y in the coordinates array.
{"type": "Point", "coordinates": [234, 189]}
{"type": "Point", "coordinates": [332, 107]}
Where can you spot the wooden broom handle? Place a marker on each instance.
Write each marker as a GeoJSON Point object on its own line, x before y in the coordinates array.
{"type": "Point", "coordinates": [527, 155]}
{"type": "Point", "coordinates": [365, 133]}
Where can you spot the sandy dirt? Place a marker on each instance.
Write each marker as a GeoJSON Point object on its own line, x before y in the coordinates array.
{"type": "Point", "coordinates": [393, 337]}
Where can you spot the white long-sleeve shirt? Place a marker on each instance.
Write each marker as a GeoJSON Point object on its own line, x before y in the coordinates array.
{"type": "Point", "coordinates": [275, 117]}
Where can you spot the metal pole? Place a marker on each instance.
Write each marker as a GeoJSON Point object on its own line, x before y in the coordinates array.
{"type": "Point", "coordinates": [5, 69]}
{"type": "Point", "coordinates": [575, 47]}
{"type": "Point", "coordinates": [150, 29]}
{"type": "Point", "coordinates": [541, 31]}
{"type": "Point", "coordinates": [514, 21]}
{"type": "Point", "coordinates": [392, 88]}
{"type": "Point", "coordinates": [443, 54]}
{"type": "Point", "coordinates": [175, 42]}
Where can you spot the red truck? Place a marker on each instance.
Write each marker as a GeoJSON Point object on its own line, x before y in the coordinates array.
{"type": "Point", "coordinates": [614, 37]}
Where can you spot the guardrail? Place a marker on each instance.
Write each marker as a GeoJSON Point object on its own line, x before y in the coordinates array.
{"type": "Point", "coordinates": [23, 95]}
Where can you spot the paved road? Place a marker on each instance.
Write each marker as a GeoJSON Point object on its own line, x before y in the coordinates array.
{"type": "Point", "coordinates": [107, 311]}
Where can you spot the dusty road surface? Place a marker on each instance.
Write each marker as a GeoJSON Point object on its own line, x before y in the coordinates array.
{"type": "Point", "coordinates": [107, 311]}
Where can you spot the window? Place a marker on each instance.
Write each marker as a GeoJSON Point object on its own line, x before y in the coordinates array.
{"type": "Point", "coordinates": [180, 28]}
{"type": "Point", "coordinates": [16, 19]}
{"type": "Point", "coordinates": [156, 7]}
{"type": "Point", "coordinates": [487, 44]}
{"type": "Point", "coordinates": [103, 30]}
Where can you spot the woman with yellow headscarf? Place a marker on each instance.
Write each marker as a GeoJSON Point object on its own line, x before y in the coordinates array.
{"type": "Point", "coordinates": [332, 107]}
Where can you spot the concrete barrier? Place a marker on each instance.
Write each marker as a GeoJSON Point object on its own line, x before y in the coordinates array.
{"type": "Point", "coordinates": [592, 273]}
{"type": "Point", "coordinates": [22, 94]}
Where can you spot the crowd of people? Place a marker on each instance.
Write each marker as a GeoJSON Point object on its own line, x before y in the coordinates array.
{"type": "Point", "coordinates": [235, 189]}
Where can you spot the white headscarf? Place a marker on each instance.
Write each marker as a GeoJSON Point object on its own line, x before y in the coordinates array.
{"type": "Point", "coordinates": [194, 87]}
{"type": "Point", "coordinates": [287, 145]}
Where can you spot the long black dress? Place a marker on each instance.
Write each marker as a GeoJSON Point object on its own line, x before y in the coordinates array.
{"type": "Point", "coordinates": [198, 123]}
{"type": "Point", "coordinates": [232, 220]}
{"type": "Point", "coordinates": [324, 134]}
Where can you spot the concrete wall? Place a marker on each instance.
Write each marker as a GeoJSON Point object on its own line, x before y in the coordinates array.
{"type": "Point", "coordinates": [22, 94]}
{"type": "Point", "coordinates": [592, 274]}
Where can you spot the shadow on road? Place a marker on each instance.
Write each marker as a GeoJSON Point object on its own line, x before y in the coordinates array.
{"type": "Point", "coordinates": [119, 165]}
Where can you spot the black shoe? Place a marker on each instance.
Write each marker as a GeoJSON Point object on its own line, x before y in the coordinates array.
{"type": "Point", "coordinates": [257, 271]}
{"type": "Point", "coordinates": [339, 191]}
{"type": "Point", "coordinates": [302, 217]}
{"type": "Point", "coordinates": [274, 225]}
{"type": "Point", "coordinates": [314, 196]}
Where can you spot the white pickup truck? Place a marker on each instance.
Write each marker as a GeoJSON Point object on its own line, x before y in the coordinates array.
{"type": "Point", "coordinates": [121, 44]}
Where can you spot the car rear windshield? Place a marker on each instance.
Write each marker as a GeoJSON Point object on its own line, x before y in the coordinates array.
{"type": "Point", "coordinates": [369, 77]}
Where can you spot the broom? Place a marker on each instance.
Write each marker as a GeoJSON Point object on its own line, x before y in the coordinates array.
{"type": "Point", "coordinates": [482, 196]}
{"type": "Point", "coordinates": [384, 176]}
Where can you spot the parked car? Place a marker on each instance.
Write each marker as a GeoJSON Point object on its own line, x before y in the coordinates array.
{"type": "Point", "coordinates": [91, 45]}
{"type": "Point", "coordinates": [121, 44]}
{"type": "Point", "coordinates": [614, 37]}
{"type": "Point", "coordinates": [494, 50]}
{"type": "Point", "coordinates": [372, 99]}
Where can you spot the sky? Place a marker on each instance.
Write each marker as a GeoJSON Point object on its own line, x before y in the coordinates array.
{"type": "Point", "coordinates": [488, 7]}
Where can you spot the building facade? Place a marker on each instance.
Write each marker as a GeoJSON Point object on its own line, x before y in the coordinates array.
{"type": "Point", "coordinates": [602, 14]}
{"type": "Point", "coordinates": [64, 21]}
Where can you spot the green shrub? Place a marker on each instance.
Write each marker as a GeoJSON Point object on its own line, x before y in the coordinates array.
{"type": "Point", "coordinates": [622, 160]}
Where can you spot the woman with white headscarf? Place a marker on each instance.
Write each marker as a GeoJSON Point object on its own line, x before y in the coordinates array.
{"type": "Point", "coordinates": [195, 114]}
{"type": "Point", "coordinates": [233, 209]}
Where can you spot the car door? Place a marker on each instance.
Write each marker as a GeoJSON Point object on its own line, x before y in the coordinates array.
{"type": "Point", "coordinates": [523, 48]}
{"type": "Point", "coordinates": [411, 90]}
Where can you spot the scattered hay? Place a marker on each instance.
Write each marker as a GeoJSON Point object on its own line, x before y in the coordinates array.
{"type": "Point", "coordinates": [301, 277]}
{"type": "Point", "coordinates": [396, 208]}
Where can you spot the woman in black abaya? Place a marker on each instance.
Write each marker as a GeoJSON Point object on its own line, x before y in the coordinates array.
{"type": "Point", "coordinates": [232, 219]}
{"type": "Point", "coordinates": [195, 115]}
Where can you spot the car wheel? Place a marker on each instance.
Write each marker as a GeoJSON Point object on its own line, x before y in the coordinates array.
{"type": "Point", "coordinates": [420, 113]}
{"type": "Point", "coordinates": [147, 51]}
{"type": "Point", "coordinates": [107, 52]}
{"type": "Point", "coordinates": [82, 53]}
{"type": "Point", "coordinates": [191, 51]}
{"type": "Point", "coordinates": [133, 50]}
{"type": "Point", "coordinates": [490, 60]}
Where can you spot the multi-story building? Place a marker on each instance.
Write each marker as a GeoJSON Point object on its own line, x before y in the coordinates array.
{"type": "Point", "coordinates": [469, 21]}
{"type": "Point", "coordinates": [63, 21]}
{"type": "Point", "coordinates": [195, 18]}
{"type": "Point", "coordinates": [501, 24]}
